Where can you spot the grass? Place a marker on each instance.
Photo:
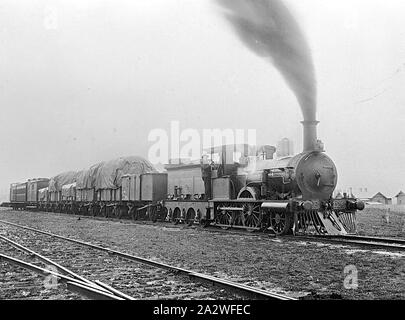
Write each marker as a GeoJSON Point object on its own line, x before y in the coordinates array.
{"type": "Point", "coordinates": [387, 221]}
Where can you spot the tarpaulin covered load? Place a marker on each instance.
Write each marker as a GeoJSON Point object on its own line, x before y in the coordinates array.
{"type": "Point", "coordinates": [56, 183]}
{"type": "Point", "coordinates": [69, 191]}
{"type": "Point", "coordinates": [43, 194]}
{"type": "Point", "coordinates": [86, 179]}
{"type": "Point", "coordinates": [110, 173]}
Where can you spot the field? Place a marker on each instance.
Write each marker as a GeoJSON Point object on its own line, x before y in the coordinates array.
{"type": "Point", "coordinates": [386, 221]}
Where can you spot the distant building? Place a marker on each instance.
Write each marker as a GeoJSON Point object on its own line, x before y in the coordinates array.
{"type": "Point", "coordinates": [351, 193]}
{"type": "Point", "coordinates": [339, 195]}
{"type": "Point", "coordinates": [379, 197]}
{"type": "Point", "coordinates": [285, 147]}
{"type": "Point", "coordinates": [361, 193]}
{"type": "Point", "coordinates": [400, 198]}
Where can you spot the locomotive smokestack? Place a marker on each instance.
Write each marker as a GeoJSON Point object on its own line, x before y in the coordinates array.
{"type": "Point", "coordinates": [310, 137]}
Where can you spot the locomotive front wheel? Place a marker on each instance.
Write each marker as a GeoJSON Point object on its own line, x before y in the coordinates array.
{"type": "Point", "coordinates": [280, 222]}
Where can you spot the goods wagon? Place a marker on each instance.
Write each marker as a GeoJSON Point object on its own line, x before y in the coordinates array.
{"type": "Point", "coordinates": [43, 195]}
{"type": "Point", "coordinates": [68, 192]}
{"type": "Point", "coordinates": [18, 195]}
{"type": "Point", "coordinates": [33, 186]}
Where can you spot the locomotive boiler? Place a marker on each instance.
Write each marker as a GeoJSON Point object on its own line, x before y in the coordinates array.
{"type": "Point", "coordinates": [308, 175]}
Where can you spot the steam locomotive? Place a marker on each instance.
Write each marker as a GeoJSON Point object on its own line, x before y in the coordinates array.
{"type": "Point", "coordinates": [244, 188]}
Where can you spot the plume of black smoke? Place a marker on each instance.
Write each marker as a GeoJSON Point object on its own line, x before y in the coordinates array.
{"type": "Point", "coordinates": [268, 28]}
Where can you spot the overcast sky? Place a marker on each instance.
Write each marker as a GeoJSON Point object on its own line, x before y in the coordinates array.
{"type": "Point", "coordinates": [84, 81]}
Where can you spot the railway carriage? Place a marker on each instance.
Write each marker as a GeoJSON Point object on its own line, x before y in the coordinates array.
{"type": "Point", "coordinates": [26, 195]}
{"type": "Point", "coordinates": [33, 187]}
{"type": "Point", "coordinates": [18, 195]}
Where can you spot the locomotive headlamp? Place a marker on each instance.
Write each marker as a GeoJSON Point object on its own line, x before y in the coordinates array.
{"type": "Point", "coordinates": [360, 205]}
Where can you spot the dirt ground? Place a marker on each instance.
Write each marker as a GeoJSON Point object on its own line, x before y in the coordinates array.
{"type": "Point", "coordinates": [297, 268]}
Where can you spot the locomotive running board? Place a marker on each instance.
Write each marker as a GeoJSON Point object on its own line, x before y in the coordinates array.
{"type": "Point", "coordinates": [275, 204]}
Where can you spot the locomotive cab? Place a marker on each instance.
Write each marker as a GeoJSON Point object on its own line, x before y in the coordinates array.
{"type": "Point", "coordinates": [227, 161]}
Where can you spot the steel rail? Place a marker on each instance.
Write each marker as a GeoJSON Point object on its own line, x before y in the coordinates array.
{"type": "Point", "coordinates": [233, 286]}
{"type": "Point", "coordinates": [369, 238]}
{"type": "Point", "coordinates": [355, 240]}
{"type": "Point", "coordinates": [86, 289]}
{"type": "Point", "coordinates": [90, 292]}
{"type": "Point", "coordinates": [53, 263]}
{"type": "Point", "coordinates": [215, 227]}
{"type": "Point", "coordinates": [236, 230]}
{"type": "Point", "coordinates": [98, 285]}
{"type": "Point", "coordinates": [114, 291]}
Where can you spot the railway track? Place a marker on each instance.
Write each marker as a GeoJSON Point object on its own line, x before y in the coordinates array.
{"type": "Point", "coordinates": [354, 240]}
{"type": "Point", "coordinates": [363, 241]}
{"type": "Point", "coordinates": [132, 276]}
{"type": "Point", "coordinates": [75, 282]}
{"type": "Point", "coordinates": [396, 244]}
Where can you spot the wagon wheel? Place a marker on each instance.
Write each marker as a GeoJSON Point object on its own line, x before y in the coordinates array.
{"type": "Point", "coordinates": [104, 211]}
{"type": "Point", "coordinates": [121, 210]}
{"type": "Point", "coordinates": [162, 216]}
{"type": "Point", "coordinates": [251, 216]}
{"type": "Point", "coordinates": [130, 211]}
{"type": "Point", "coordinates": [152, 214]}
{"type": "Point", "coordinates": [225, 219]}
{"type": "Point", "coordinates": [190, 217]}
{"type": "Point", "coordinates": [280, 222]}
{"type": "Point", "coordinates": [93, 210]}
{"type": "Point", "coordinates": [135, 214]}
{"type": "Point", "coordinates": [117, 211]}
{"type": "Point", "coordinates": [176, 215]}
{"type": "Point", "coordinates": [161, 213]}
{"type": "Point", "coordinates": [169, 216]}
